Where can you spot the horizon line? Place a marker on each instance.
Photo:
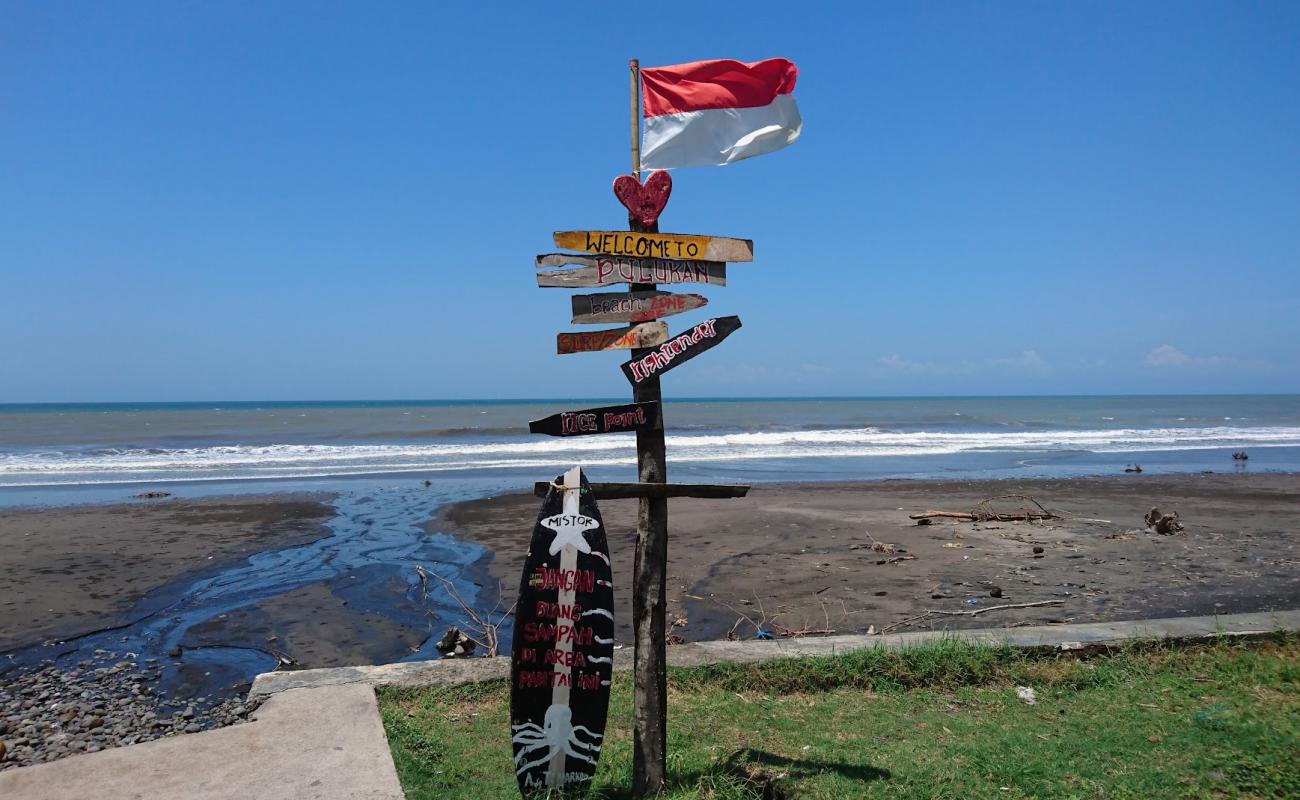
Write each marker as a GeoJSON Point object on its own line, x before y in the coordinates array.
{"type": "Point", "coordinates": [594, 398]}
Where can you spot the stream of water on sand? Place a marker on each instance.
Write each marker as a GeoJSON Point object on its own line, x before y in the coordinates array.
{"type": "Point", "coordinates": [374, 538]}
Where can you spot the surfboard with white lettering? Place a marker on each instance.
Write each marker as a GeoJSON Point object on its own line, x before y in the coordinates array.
{"type": "Point", "coordinates": [563, 647]}
{"type": "Point", "coordinates": [647, 334]}
{"type": "Point", "coordinates": [656, 245]}
{"type": "Point", "coordinates": [606, 419]}
{"type": "Point", "coordinates": [680, 349]}
{"type": "Point", "coordinates": [591, 309]}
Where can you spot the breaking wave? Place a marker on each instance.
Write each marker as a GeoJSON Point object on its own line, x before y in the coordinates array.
{"type": "Point", "coordinates": [298, 461]}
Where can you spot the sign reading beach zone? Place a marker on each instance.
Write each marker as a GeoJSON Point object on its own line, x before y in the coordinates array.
{"type": "Point", "coordinates": [632, 306]}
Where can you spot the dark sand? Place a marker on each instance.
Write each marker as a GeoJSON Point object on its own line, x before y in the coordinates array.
{"type": "Point", "coordinates": [71, 570]}
{"type": "Point", "coordinates": [801, 555]}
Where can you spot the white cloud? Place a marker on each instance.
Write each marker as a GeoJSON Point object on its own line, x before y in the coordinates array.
{"type": "Point", "coordinates": [1029, 361]}
{"type": "Point", "coordinates": [1166, 355]}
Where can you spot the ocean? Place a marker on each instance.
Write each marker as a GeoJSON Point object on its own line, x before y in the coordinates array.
{"type": "Point", "coordinates": [53, 454]}
{"type": "Point", "coordinates": [370, 462]}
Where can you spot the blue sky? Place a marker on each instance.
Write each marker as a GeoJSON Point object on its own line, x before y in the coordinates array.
{"type": "Point", "coordinates": [328, 201]}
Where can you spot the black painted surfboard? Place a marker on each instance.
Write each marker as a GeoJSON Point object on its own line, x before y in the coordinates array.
{"type": "Point", "coordinates": [563, 647]}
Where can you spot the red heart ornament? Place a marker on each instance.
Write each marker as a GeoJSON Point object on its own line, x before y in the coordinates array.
{"type": "Point", "coordinates": [645, 202]}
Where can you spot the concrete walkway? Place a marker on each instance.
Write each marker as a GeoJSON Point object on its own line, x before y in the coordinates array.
{"type": "Point", "coordinates": [320, 736]}
{"type": "Point", "coordinates": [322, 744]}
{"type": "Point", "coordinates": [452, 672]}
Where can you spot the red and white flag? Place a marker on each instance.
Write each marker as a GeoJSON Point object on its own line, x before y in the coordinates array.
{"type": "Point", "coordinates": [717, 112]}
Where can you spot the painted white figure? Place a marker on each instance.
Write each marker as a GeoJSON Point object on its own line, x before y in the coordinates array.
{"type": "Point", "coordinates": [569, 529]}
{"type": "Point", "coordinates": [557, 735]}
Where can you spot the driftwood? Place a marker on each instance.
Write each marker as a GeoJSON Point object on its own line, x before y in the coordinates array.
{"type": "Point", "coordinates": [978, 611]}
{"type": "Point", "coordinates": [1163, 524]}
{"type": "Point", "coordinates": [930, 612]}
{"type": "Point", "coordinates": [985, 512]}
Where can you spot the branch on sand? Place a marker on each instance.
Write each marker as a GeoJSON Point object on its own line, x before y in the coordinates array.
{"type": "Point", "coordinates": [930, 612]}
{"type": "Point", "coordinates": [482, 629]}
{"type": "Point", "coordinates": [1030, 510]}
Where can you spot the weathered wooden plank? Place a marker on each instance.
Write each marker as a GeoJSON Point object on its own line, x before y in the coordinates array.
{"type": "Point", "coordinates": [606, 419]}
{"type": "Point", "coordinates": [597, 271]}
{"type": "Point", "coordinates": [680, 349]}
{"type": "Point", "coordinates": [632, 306]}
{"type": "Point", "coordinates": [647, 334]}
{"type": "Point", "coordinates": [656, 245]}
{"type": "Point", "coordinates": [627, 491]}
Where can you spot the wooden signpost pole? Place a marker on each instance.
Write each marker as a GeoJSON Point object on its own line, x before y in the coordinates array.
{"type": "Point", "coordinates": [650, 701]}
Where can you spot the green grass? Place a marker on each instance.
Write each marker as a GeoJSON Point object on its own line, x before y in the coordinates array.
{"type": "Point", "coordinates": [939, 721]}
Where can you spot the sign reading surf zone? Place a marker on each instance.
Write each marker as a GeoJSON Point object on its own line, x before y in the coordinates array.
{"type": "Point", "coordinates": [680, 349]}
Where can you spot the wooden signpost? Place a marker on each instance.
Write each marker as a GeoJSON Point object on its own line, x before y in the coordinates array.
{"type": "Point", "coordinates": [563, 647]}
{"type": "Point", "coordinates": [647, 334]}
{"type": "Point", "coordinates": [606, 419]}
{"type": "Point", "coordinates": [656, 245]}
{"type": "Point", "coordinates": [596, 271]}
{"type": "Point", "coordinates": [642, 258]}
{"type": "Point", "coordinates": [632, 306]}
{"type": "Point", "coordinates": [679, 349]}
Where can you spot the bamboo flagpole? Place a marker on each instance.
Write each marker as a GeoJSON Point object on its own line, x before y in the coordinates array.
{"type": "Point", "coordinates": [635, 67]}
{"type": "Point", "coordinates": [650, 700]}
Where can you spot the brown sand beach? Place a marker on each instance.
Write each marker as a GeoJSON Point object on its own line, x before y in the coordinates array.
{"type": "Point", "coordinates": [801, 558]}
{"type": "Point", "coordinates": [70, 570]}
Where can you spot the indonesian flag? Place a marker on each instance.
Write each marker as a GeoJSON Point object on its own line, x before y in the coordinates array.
{"type": "Point", "coordinates": [717, 112]}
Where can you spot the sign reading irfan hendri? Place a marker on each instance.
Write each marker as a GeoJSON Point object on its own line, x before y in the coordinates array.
{"type": "Point", "coordinates": [680, 349]}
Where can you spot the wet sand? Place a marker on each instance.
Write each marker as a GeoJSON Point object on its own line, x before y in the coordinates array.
{"type": "Point", "coordinates": [800, 557]}
{"type": "Point", "coordinates": [72, 570]}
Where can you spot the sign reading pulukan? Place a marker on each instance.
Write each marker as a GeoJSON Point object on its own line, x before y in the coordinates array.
{"type": "Point", "coordinates": [563, 645]}
{"type": "Point", "coordinates": [606, 419]}
{"type": "Point", "coordinates": [610, 270]}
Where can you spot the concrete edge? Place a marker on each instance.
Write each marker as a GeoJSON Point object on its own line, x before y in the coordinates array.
{"type": "Point", "coordinates": [456, 672]}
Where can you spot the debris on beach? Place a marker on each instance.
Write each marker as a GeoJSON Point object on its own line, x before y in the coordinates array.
{"type": "Point", "coordinates": [1133, 468]}
{"type": "Point", "coordinates": [150, 495]}
{"type": "Point", "coordinates": [455, 643]}
{"type": "Point", "coordinates": [1163, 524]}
{"type": "Point", "coordinates": [1240, 455]}
{"type": "Point", "coordinates": [1029, 510]}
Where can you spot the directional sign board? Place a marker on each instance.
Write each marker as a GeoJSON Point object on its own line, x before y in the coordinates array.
{"type": "Point", "coordinates": [606, 419]}
{"type": "Point", "coordinates": [680, 349]}
{"type": "Point", "coordinates": [656, 245]}
{"type": "Point", "coordinates": [563, 647]}
{"type": "Point", "coordinates": [647, 334]}
{"type": "Point", "coordinates": [632, 306]}
{"type": "Point", "coordinates": [612, 270]}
